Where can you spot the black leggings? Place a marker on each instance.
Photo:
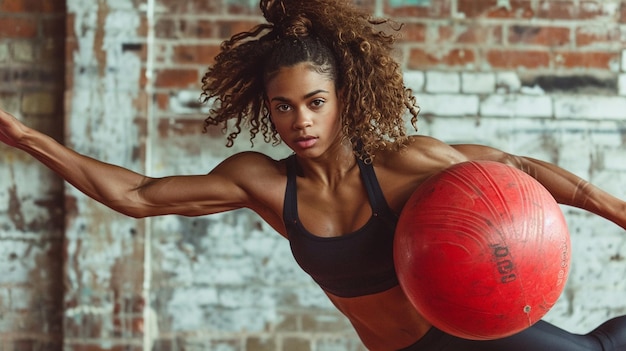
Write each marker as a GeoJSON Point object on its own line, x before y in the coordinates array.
{"type": "Point", "coordinates": [542, 336]}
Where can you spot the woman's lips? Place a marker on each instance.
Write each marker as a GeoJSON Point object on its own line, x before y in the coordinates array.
{"type": "Point", "coordinates": [306, 142]}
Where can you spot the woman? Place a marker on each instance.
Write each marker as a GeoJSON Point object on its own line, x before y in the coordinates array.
{"type": "Point", "coordinates": [320, 78]}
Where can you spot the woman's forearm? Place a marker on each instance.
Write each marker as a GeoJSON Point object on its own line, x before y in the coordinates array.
{"type": "Point", "coordinates": [569, 189]}
{"type": "Point", "coordinates": [109, 184]}
{"type": "Point", "coordinates": [566, 187]}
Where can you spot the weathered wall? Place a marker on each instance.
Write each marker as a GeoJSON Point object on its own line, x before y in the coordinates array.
{"type": "Point", "coordinates": [32, 35]}
{"type": "Point", "coordinates": [534, 77]}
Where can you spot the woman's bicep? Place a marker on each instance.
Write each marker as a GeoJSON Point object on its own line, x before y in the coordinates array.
{"type": "Point", "coordinates": [189, 195]}
{"type": "Point", "coordinates": [475, 152]}
{"type": "Point", "coordinates": [233, 184]}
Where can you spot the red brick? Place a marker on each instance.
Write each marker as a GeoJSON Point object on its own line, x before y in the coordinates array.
{"type": "Point", "coordinates": [177, 78]}
{"type": "Point", "coordinates": [577, 59]}
{"type": "Point", "coordinates": [53, 27]}
{"type": "Point", "coordinates": [476, 8]}
{"type": "Point", "coordinates": [599, 35]}
{"type": "Point", "coordinates": [124, 345]}
{"type": "Point", "coordinates": [165, 28]}
{"type": "Point", "coordinates": [229, 28]}
{"type": "Point", "coordinates": [546, 36]}
{"type": "Point", "coordinates": [191, 6]}
{"type": "Point", "coordinates": [447, 33]}
{"type": "Point", "coordinates": [182, 126]}
{"type": "Point", "coordinates": [199, 54]}
{"type": "Point", "coordinates": [591, 10]}
{"type": "Point", "coordinates": [622, 12]}
{"type": "Point", "coordinates": [196, 29]}
{"type": "Point", "coordinates": [56, 6]}
{"type": "Point", "coordinates": [572, 10]}
{"type": "Point", "coordinates": [471, 34]}
{"type": "Point", "coordinates": [513, 59]}
{"type": "Point", "coordinates": [437, 9]}
{"type": "Point", "coordinates": [490, 9]}
{"type": "Point", "coordinates": [18, 27]}
{"type": "Point", "coordinates": [53, 52]}
{"type": "Point", "coordinates": [31, 6]}
{"type": "Point", "coordinates": [71, 46]}
{"type": "Point", "coordinates": [185, 28]}
{"type": "Point", "coordinates": [420, 58]}
{"type": "Point", "coordinates": [142, 31]}
{"type": "Point", "coordinates": [413, 32]}
{"type": "Point", "coordinates": [162, 101]}
{"type": "Point", "coordinates": [557, 9]}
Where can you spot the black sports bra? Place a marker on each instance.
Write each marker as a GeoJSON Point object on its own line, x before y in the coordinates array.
{"type": "Point", "coordinates": [354, 264]}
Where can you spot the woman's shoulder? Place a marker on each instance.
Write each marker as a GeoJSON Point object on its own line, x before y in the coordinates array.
{"type": "Point", "coordinates": [259, 175]}
{"type": "Point", "coordinates": [253, 163]}
{"type": "Point", "coordinates": [419, 154]}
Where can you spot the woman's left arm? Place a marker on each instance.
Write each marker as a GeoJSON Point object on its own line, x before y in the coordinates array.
{"type": "Point", "coordinates": [566, 187]}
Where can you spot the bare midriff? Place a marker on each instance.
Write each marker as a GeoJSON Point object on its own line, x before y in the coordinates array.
{"type": "Point", "coordinates": [385, 321]}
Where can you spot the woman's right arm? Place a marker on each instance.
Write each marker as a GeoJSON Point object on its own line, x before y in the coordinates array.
{"type": "Point", "coordinates": [123, 190]}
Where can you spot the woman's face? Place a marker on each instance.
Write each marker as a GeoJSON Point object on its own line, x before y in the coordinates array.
{"type": "Point", "coordinates": [304, 108]}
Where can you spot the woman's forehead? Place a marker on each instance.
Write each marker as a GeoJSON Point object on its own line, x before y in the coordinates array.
{"type": "Point", "coordinates": [294, 80]}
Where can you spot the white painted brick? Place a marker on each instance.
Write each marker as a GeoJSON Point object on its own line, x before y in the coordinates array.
{"type": "Point", "coordinates": [450, 130]}
{"type": "Point", "coordinates": [443, 82]}
{"type": "Point", "coordinates": [414, 80]}
{"type": "Point", "coordinates": [534, 90]}
{"type": "Point", "coordinates": [516, 106]}
{"type": "Point", "coordinates": [185, 102]}
{"type": "Point", "coordinates": [590, 107]}
{"type": "Point", "coordinates": [530, 137]}
{"type": "Point", "coordinates": [611, 181]}
{"type": "Point", "coordinates": [622, 84]}
{"type": "Point", "coordinates": [576, 152]}
{"type": "Point", "coordinates": [615, 159]}
{"type": "Point", "coordinates": [246, 296]}
{"type": "Point", "coordinates": [16, 259]}
{"type": "Point", "coordinates": [500, 133]}
{"type": "Point", "coordinates": [449, 104]}
{"type": "Point", "coordinates": [185, 302]}
{"type": "Point", "coordinates": [478, 83]}
{"type": "Point", "coordinates": [5, 53]}
{"type": "Point", "coordinates": [606, 133]}
{"type": "Point", "coordinates": [508, 82]}
{"type": "Point", "coordinates": [5, 191]}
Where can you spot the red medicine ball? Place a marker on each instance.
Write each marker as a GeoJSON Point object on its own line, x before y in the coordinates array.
{"type": "Point", "coordinates": [482, 250]}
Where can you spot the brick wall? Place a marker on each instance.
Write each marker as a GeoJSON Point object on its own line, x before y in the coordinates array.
{"type": "Point", "coordinates": [540, 78]}
{"type": "Point", "coordinates": [32, 37]}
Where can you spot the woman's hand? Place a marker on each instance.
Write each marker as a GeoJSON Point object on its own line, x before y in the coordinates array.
{"type": "Point", "coordinates": [11, 130]}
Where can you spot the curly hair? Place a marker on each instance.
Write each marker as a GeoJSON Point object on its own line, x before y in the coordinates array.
{"type": "Point", "coordinates": [339, 39]}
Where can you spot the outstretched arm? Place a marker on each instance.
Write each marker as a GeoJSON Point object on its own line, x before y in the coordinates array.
{"type": "Point", "coordinates": [566, 187]}
{"type": "Point", "coordinates": [123, 190]}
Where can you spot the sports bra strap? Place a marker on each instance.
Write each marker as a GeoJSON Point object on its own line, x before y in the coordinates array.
{"type": "Point", "coordinates": [374, 193]}
{"type": "Point", "coordinates": [290, 207]}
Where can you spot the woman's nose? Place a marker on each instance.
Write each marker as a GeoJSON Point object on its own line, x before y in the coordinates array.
{"type": "Point", "coordinates": [302, 121]}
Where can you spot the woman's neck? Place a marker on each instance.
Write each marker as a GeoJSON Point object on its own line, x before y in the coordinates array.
{"type": "Point", "coordinates": [332, 167]}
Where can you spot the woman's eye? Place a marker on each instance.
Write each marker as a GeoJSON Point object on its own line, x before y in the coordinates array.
{"type": "Point", "coordinates": [318, 102]}
{"type": "Point", "coordinates": [283, 108]}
